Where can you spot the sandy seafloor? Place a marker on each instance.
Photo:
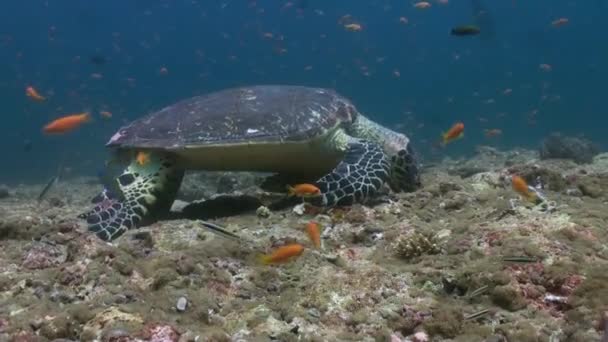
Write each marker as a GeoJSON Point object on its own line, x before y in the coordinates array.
{"type": "Point", "coordinates": [427, 265]}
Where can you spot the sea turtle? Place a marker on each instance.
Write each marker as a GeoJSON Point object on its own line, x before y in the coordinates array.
{"type": "Point", "coordinates": [288, 130]}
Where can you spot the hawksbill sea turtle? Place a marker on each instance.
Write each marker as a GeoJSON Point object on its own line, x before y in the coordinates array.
{"type": "Point", "coordinates": [283, 129]}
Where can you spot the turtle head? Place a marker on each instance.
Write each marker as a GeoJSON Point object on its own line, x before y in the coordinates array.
{"type": "Point", "coordinates": [405, 172]}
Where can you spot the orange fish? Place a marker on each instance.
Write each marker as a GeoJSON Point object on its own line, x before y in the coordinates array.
{"type": "Point", "coordinates": [282, 254]}
{"type": "Point", "coordinates": [303, 190]}
{"type": "Point", "coordinates": [521, 187]}
{"type": "Point", "coordinates": [142, 158]}
{"type": "Point", "coordinates": [314, 233]}
{"type": "Point", "coordinates": [454, 133]}
{"type": "Point", "coordinates": [33, 94]}
{"type": "Point", "coordinates": [66, 123]}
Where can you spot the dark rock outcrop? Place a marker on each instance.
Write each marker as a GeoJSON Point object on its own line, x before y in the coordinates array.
{"type": "Point", "coordinates": [557, 146]}
{"type": "Point", "coordinates": [4, 192]}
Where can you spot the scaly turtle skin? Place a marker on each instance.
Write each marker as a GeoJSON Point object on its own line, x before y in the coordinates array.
{"type": "Point", "coordinates": [290, 130]}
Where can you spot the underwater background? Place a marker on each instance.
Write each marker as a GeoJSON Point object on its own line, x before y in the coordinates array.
{"type": "Point", "coordinates": [521, 74]}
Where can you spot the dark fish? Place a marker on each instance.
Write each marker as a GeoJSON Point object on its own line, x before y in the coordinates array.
{"type": "Point", "coordinates": [98, 60]}
{"type": "Point", "coordinates": [465, 30]}
{"type": "Point", "coordinates": [522, 258]}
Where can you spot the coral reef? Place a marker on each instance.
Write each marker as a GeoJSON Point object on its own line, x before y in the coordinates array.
{"type": "Point", "coordinates": [462, 259]}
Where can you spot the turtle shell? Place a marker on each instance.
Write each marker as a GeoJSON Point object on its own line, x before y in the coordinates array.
{"type": "Point", "coordinates": [265, 113]}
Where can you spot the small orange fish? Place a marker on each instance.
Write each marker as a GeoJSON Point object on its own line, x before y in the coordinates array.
{"type": "Point", "coordinates": [282, 254]}
{"type": "Point", "coordinates": [354, 27]}
{"type": "Point", "coordinates": [66, 123]}
{"type": "Point", "coordinates": [454, 133]}
{"type": "Point", "coordinates": [303, 190]}
{"type": "Point", "coordinates": [142, 158]}
{"type": "Point", "coordinates": [314, 233]}
{"type": "Point", "coordinates": [33, 94]}
{"type": "Point", "coordinates": [521, 187]}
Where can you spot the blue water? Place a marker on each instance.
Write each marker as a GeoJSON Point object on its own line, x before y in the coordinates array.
{"type": "Point", "coordinates": [210, 45]}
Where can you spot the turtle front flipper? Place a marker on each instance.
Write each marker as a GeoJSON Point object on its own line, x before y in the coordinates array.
{"type": "Point", "coordinates": [405, 175]}
{"type": "Point", "coordinates": [142, 192]}
{"type": "Point", "coordinates": [361, 173]}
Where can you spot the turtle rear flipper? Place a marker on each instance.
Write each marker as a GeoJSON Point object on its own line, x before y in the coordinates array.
{"type": "Point", "coordinates": [356, 178]}
{"type": "Point", "coordinates": [146, 191]}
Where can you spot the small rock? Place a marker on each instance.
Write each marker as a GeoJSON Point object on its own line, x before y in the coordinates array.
{"type": "Point", "coordinates": [160, 333]}
{"type": "Point", "coordinates": [314, 313]}
{"type": "Point", "coordinates": [420, 336]}
{"type": "Point", "coordinates": [590, 191]}
{"type": "Point", "coordinates": [445, 187]}
{"type": "Point", "coordinates": [61, 297]}
{"type": "Point", "coordinates": [3, 324]}
{"type": "Point", "coordinates": [110, 318]}
{"type": "Point", "coordinates": [42, 255]}
{"type": "Point", "coordinates": [182, 304]}
{"type": "Point", "coordinates": [188, 336]}
{"type": "Point", "coordinates": [299, 209]}
{"type": "Point", "coordinates": [455, 203]}
{"type": "Point", "coordinates": [496, 338]}
{"type": "Point", "coordinates": [336, 260]}
{"type": "Point", "coordinates": [56, 202]}
{"type": "Point", "coordinates": [24, 336]}
{"type": "Point", "coordinates": [508, 297]}
{"type": "Point", "coordinates": [58, 327]}
{"type": "Point", "coordinates": [185, 265]}
{"type": "Point", "coordinates": [263, 211]}
{"type": "Point", "coordinates": [117, 334]}
{"type": "Point", "coordinates": [574, 192]}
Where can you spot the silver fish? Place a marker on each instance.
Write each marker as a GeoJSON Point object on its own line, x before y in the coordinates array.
{"type": "Point", "coordinates": [215, 229]}
{"type": "Point", "coordinates": [52, 182]}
